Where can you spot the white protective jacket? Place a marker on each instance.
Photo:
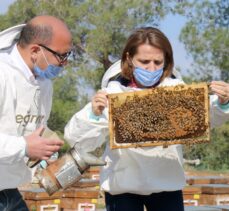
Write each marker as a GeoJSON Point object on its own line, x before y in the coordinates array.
{"type": "Point", "coordinates": [25, 104]}
{"type": "Point", "coordinates": [143, 170]}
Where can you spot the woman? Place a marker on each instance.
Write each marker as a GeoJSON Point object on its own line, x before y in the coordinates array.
{"type": "Point", "coordinates": [136, 177]}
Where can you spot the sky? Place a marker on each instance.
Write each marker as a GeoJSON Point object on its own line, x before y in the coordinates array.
{"type": "Point", "coordinates": [4, 4]}
{"type": "Point", "coordinates": [170, 26]}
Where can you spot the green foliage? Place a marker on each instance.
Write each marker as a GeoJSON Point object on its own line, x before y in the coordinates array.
{"type": "Point", "coordinates": [99, 30]}
{"type": "Point", "coordinates": [67, 100]}
{"type": "Point", "coordinates": [206, 37]}
{"type": "Point", "coordinates": [102, 28]}
{"type": "Point", "coordinates": [213, 155]}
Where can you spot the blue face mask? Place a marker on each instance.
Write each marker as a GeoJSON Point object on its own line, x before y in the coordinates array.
{"type": "Point", "coordinates": [52, 71]}
{"type": "Point", "coordinates": [147, 78]}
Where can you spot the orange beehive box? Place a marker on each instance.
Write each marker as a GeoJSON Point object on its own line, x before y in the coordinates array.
{"type": "Point", "coordinates": [191, 195]}
{"type": "Point", "coordinates": [73, 197]}
{"type": "Point", "coordinates": [193, 180]}
{"type": "Point", "coordinates": [38, 199]}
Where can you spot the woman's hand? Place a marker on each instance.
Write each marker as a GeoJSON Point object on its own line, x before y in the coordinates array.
{"type": "Point", "coordinates": [99, 102]}
{"type": "Point", "coordinates": [221, 89]}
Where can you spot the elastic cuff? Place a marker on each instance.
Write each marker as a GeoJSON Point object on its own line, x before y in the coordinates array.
{"type": "Point", "coordinates": [43, 164]}
{"type": "Point", "coordinates": [224, 107]}
{"type": "Point", "coordinates": [92, 116]}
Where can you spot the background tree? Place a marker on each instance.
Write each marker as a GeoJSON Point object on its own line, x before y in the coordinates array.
{"type": "Point", "coordinates": [99, 29]}
{"type": "Point", "coordinates": [206, 37]}
{"type": "Point", "coordinates": [213, 155]}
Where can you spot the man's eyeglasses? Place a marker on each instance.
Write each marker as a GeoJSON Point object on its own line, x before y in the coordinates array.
{"type": "Point", "coordinates": [61, 57]}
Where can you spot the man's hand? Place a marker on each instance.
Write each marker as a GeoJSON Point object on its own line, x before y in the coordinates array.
{"type": "Point", "coordinates": [221, 89]}
{"type": "Point", "coordinates": [99, 102]}
{"type": "Point", "coordinates": [41, 148]}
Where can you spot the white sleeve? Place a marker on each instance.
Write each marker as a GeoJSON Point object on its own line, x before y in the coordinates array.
{"type": "Point", "coordinates": [48, 103]}
{"type": "Point", "coordinates": [87, 131]}
{"type": "Point", "coordinates": [46, 95]}
{"type": "Point", "coordinates": [12, 148]}
{"type": "Point", "coordinates": [218, 114]}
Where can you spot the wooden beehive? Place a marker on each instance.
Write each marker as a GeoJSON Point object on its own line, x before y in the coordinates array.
{"type": "Point", "coordinates": [160, 116]}
{"type": "Point", "coordinates": [38, 199]}
{"type": "Point", "coordinates": [191, 195]}
{"type": "Point", "coordinates": [72, 198]}
{"type": "Point", "coordinates": [193, 180]}
{"type": "Point", "coordinates": [204, 208]}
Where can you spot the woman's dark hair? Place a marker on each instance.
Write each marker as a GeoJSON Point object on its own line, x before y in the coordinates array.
{"type": "Point", "coordinates": [153, 37]}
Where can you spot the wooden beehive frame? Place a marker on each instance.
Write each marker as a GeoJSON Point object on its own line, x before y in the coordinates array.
{"type": "Point", "coordinates": [117, 100]}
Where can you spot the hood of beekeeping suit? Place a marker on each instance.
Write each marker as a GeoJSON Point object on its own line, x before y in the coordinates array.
{"type": "Point", "coordinates": [10, 36]}
{"type": "Point", "coordinates": [114, 69]}
{"type": "Point", "coordinates": [177, 74]}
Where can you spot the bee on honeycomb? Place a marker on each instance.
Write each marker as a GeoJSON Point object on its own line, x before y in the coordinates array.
{"type": "Point", "coordinates": [161, 115]}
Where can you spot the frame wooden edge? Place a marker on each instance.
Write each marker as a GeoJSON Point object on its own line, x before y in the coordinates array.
{"type": "Point", "coordinates": [111, 129]}
{"type": "Point", "coordinates": [166, 144]}
{"type": "Point", "coordinates": [115, 145]}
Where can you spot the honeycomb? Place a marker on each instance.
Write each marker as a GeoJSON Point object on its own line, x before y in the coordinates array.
{"type": "Point", "coordinates": [160, 116]}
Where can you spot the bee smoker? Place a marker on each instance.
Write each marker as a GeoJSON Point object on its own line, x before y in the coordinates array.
{"type": "Point", "coordinates": [67, 170]}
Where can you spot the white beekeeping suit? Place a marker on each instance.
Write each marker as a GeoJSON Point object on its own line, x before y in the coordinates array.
{"type": "Point", "coordinates": [25, 104]}
{"type": "Point", "coordinates": [133, 170]}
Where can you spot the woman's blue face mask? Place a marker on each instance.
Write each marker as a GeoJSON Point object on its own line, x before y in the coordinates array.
{"type": "Point", "coordinates": [52, 71]}
{"type": "Point", "coordinates": [147, 78]}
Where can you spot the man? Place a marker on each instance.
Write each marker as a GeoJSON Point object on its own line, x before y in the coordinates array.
{"type": "Point", "coordinates": [30, 55]}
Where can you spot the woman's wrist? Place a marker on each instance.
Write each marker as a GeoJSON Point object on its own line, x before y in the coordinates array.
{"type": "Point", "coordinates": [93, 116]}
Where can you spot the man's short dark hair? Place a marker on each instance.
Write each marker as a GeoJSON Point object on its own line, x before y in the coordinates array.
{"type": "Point", "coordinates": [39, 34]}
